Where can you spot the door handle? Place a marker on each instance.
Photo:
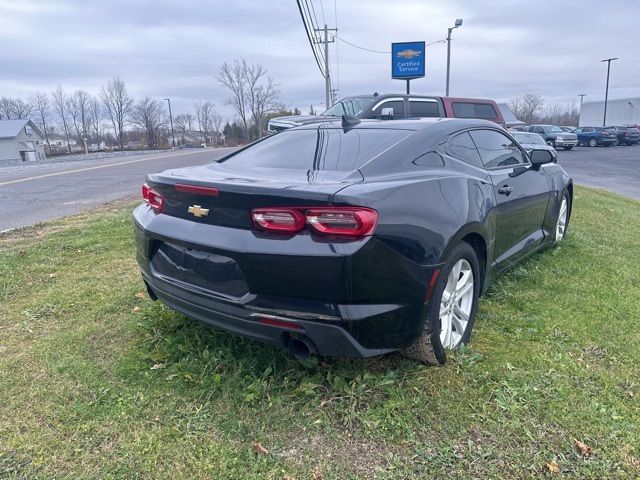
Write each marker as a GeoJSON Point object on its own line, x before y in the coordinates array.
{"type": "Point", "coordinates": [505, 190]}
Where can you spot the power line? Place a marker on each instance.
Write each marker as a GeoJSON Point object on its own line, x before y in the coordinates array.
{"type": "Point", "coordinates": [308, 32]}
{"type": "Point", "coordinates": [380, 51]}
{"type": "Point", "coordinates": [335, 18]}
{"type": "Point", "coordinates": [313, 29]}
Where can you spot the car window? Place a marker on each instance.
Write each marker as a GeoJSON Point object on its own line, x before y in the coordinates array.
{"type": "Point", "coordinates": [398, 109]}
{"type": "Point", "coordinates": [609, 129]}
{"type": "Point", "coordinates": [423, 109]}
{"type": "Point", "coordinates": [473, 110]}
{"type": "Point", "coordinates": [319, 148]}
{"type": "Point", "coordinates": [484, 110]}
{"type": "Point", "coordinates": [350, 106]}
{"type": "Point", "coordinates": [496, 149]}
{"type": "Point", "coordinates": [462, 147]}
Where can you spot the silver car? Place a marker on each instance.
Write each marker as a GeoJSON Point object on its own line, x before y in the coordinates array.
{"type": "Point", "coordinates": [531, 141]}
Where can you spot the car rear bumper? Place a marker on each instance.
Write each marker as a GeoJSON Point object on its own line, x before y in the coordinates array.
{"type": "Point", "coordinates": [368, 301]}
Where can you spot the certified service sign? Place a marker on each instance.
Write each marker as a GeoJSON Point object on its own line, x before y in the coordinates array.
{"type": "Point", "coordinates": [407, 60]}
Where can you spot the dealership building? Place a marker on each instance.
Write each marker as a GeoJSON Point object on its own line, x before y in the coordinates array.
{"type": "Point", "coordinates": [620, 112]}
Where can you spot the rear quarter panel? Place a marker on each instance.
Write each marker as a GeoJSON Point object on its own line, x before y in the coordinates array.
{"type": "Point", "coordinates": [422, 213]}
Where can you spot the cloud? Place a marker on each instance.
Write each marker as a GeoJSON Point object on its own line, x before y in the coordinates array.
{"type": "Point", "coordinates": [173, 49]}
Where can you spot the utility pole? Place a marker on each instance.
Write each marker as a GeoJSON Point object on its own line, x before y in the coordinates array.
{"type": "Point", "coordinates": [173, 137]}
{"type": "Point", "coordinates": [327, 78]}
{"type": "Point", "coordinates": [606, 92]}
{"type": "Point", "coordinates": [582, 95]}
{"type": "Point", "coordinates": [449, 30]}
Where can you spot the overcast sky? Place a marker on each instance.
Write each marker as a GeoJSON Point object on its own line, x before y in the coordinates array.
{"type": "Point", "coordinates": [163, 48]}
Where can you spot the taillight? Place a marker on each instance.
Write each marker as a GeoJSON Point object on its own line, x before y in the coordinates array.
{"type": "Point", "coordinates": [152, 198]}
{"type": "Point", "coordinates": [283, 220]}
{"type": "Point", "coordinates": [348, 221]}
{"type": "Point", "coordinates": [342, 221]}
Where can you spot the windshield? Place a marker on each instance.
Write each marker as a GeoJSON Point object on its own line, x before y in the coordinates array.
{"type": "Point", "coordinates": [349, 106]}
{"type": "Point", "coordinates": [531, 138]}
{"type": "Point", "coordinates": [554, 130]}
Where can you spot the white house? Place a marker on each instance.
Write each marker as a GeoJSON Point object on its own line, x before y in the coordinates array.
{"type": "Point", "coordinates": [20, 141]}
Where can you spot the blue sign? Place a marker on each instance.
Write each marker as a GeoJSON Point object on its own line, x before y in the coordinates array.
{"type": "Point", "coordinates": [407, 60]}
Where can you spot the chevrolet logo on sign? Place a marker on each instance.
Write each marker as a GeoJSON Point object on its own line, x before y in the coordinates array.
{"type": "Point", "coordinates": [198, 211]}
{"type": "Point", "coordinates": [408, 53]}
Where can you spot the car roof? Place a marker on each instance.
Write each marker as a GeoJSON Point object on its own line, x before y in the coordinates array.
{"type": "Point", "coordinates": [416, 124]}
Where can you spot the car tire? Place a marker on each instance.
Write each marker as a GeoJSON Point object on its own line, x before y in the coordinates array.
{"type": "Point", "coordinates": [562, 222]}
{"type": "Point", "coordinates": [567, 148]}
{"type": "Point", "coordinates": [593, 142]}
{"type": "Point", "coordinates": [431, 346]}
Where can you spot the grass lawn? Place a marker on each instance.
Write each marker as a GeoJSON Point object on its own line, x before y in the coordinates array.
{"type": "Point", "coordinates": [98, 381]}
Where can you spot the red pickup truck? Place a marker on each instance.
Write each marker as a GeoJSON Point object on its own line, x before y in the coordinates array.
{"type": "Point", "coordinates": [393, 106]}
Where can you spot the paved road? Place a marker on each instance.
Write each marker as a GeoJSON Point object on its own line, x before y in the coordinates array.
{"type": "Point", "coordinates": [613, 168]}
{"type": "Point", "coordinates": [50, 191]}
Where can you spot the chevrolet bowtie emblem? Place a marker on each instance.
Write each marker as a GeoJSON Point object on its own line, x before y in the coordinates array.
{"type": "Point", "coordinates": [198, 211]}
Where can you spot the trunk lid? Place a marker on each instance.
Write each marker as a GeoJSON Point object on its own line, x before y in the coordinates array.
{"type": "Point", "coordinates": [241, 189]}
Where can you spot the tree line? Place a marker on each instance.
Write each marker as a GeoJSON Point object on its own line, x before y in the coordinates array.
{"type": "Point", "coordinates": [531, 109]}
{"type": "Point", "coordinates": [113, 116]}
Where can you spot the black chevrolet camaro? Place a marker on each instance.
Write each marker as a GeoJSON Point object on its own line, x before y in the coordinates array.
{"type": "Point", "coordinates": [351, 238]}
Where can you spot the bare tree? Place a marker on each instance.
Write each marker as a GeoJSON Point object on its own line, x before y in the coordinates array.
{"type": "Point", "coordinates": [6, 108]}
{"type": "Point", "coordinates": [21, 109]}
{"type": "Point", "coordinates": [204, 114]}
{"type": "Point", "coordinates": [149, 115]}
{"type": "Point", "coordinates": [253, 94]}
{"type": "Point", "coordinates": [263, 100]}
{"type": "Point", "coordinates": [14, 108]}
{"type": "Point", "coordinates": [40, 105]}
{"type": "Point", "coordinates": [559, 114]}
{"type": "Point", "coordinates": [78, 108]}
{"type": "Point", "coordinates": [216, 124]}
{"type": "Point", "coordinates": [95, 117]}
{"type": "Point", "coordinates": [182, 124]}
{"type": "Point", "coordinates": [526, 108]}
{"type": "Point", "coordinates": [60, 104]}
{"type": "Point", "coordinates": [233, 77]}
{"type": "Point", "coordinates": [118, 105]}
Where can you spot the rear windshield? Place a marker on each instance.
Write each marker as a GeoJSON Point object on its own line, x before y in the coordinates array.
{"type": "Point", "coordinates": [473, 110]}
{"type": "Point", "coordinates": [609, 129]}
{"type": "Point", "coordinates": [319, 148]}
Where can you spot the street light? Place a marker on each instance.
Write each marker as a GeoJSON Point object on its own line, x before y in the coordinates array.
{"type": "Point", "coordinates": [450, 29]}
{"type": "Point", "coordinates": [173, 137]}
{"type": "Point", "coordinates": [606, 92]}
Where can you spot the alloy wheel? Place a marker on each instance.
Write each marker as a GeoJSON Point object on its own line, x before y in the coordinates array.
{"type": "Point", "coordinates": [561, 226]}
{"type": "Point", "coordinates": [456, 304]}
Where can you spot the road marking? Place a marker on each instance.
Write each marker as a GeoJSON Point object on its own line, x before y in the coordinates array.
{"type": "Point", "coordinates": [36, 177]}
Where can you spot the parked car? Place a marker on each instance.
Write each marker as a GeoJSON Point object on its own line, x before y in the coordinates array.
{"type": "Point", "coordinates": [532, 141]}
{"type": "Point", "coordinates": [567, 129]}
{"type": "Point", "coordinates": [395, 107]}
{"type": "Point", "coordinates": [594, 136]}
{"type": "Point", "coordinates": [627, 135]}
{"type": "Point", "coordinates": [351, 238]}
{"type": "Point", "coordinates": [554, 136]}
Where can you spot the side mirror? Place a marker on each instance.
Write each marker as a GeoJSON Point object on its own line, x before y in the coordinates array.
{"type": "Point", "coordinates": [540, 157]}
{"type": "Point", "coordinates": [387, 113]}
